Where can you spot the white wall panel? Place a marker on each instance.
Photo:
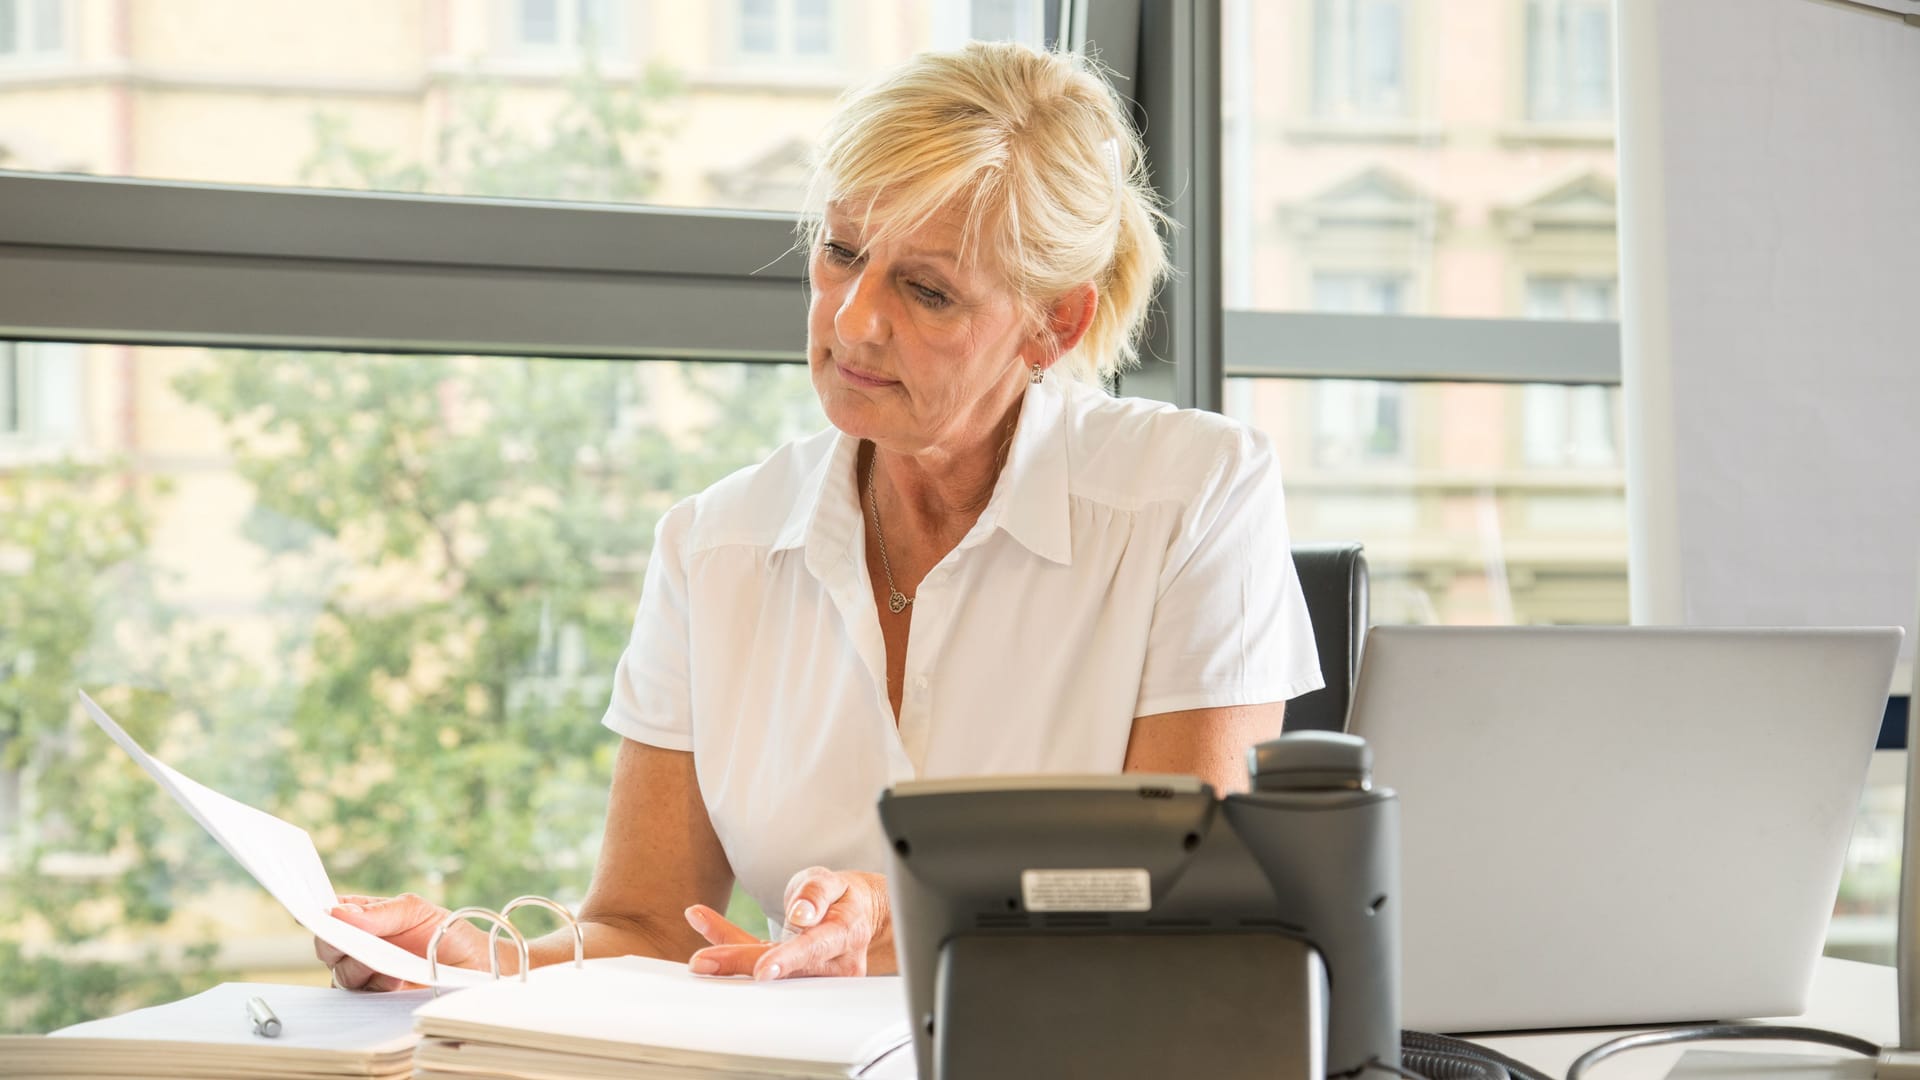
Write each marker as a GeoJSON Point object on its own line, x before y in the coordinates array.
{"type": "Point", "coordinates": [1771, 337]}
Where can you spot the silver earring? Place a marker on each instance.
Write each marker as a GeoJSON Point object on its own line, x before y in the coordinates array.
{"type": "Point", "coordinates": [1039, 375]}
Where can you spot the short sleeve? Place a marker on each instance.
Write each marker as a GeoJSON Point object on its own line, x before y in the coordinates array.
{"type": "Point", "coordinates": [652, 699]}
{"type": "Point", "coordinates": [1230, 624]}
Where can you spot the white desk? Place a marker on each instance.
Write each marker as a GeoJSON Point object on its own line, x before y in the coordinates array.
{"type": "Point", "coordinates": [1859, 999]}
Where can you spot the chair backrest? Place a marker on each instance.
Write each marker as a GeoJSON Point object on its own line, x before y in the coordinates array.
{"type": "Point", "coordinates": [1333, 578]}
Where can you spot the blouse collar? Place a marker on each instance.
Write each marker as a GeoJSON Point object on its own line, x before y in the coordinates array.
{"type": "Point", "coordinates": [1029, 501]}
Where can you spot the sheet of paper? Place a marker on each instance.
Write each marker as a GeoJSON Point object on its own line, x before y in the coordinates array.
{"type": "Point", "coordinates": [281, 857]}
{"type": "Point", "coordinates": [311, 1017]}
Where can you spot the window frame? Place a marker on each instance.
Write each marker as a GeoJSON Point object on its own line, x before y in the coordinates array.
{"type": "Point", "coordinates": [164, 263]}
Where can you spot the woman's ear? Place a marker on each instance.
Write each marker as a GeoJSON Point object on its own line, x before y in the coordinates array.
{"type": "Point", "coordinates": [1067, 321]}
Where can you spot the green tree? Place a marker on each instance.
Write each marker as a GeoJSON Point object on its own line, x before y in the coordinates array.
{"type": "Point", "coordinates": [74, 603]}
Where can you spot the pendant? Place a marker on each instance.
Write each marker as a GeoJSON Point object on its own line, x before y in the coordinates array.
{"type": "Point", "coordinates": [897, 601]}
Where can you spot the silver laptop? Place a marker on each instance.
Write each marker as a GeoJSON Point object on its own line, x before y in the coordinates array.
{"type": "Point", "coordinates": [1618, 825]}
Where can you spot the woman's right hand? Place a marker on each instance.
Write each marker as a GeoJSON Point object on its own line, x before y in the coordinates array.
{"type": "Point", "coordinates": [407, 921]}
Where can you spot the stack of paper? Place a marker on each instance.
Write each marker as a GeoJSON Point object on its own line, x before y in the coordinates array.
{"type": "Point", "coordinates": [636, 1018]}
{"type": "Point", "coordinates": [323, 1033]}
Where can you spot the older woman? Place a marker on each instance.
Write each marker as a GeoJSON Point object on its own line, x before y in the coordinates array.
{"type": "Point", "coordinates": [986, 565]}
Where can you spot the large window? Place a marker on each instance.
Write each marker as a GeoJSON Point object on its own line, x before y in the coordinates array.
{"type": "Point", "coordinates": [1374, 269]}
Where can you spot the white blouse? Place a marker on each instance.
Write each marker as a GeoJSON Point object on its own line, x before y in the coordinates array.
{"type": "Point", "coordinates": [1133, 560]}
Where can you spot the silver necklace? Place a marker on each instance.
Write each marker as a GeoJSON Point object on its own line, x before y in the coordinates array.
{"type": "Point", "coordinates": [897, 601]}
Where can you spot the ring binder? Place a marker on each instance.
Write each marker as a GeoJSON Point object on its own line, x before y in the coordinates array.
{"type": "Point", "coordinates": [579, 935]}
{"type": "Point", "coordinates": [501, 920]}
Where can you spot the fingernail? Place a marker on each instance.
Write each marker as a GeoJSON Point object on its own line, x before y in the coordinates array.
{"type": "Point", "coordinates": [771, 971]}
{"type": "Point", "coordinates": [801, 913]}
{"type": "Point", "coordinates": [703, 965]}
{"type": "Point", "coordinates": [352, 908]}
{"type": "Point", "coordinates": [694, 919]}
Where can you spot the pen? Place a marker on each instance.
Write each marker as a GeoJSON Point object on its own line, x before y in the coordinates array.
{"type": "Point", "coordinates": [264, 1022]}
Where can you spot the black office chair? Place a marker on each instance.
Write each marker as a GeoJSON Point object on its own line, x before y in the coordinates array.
{"type": "Point", "coordinates": [1333, 578]}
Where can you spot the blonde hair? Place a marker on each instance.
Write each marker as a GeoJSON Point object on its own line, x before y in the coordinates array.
{"type": "Point", "coordinates": [1035, 148]}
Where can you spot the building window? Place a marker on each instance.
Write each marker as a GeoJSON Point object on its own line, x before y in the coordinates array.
{"type": "Point", "coordinates": [32, 28]}
{"type": "Point", "coordinates": [1569, 61]}
{"type": "Point", "coordinates": [1007, 20]}
{"type": "Point", "coordinates": [13, 419]}
{"type": "Point", "coordinates": [1358, 423]}
{"type": "Point", "coordinates": [565, 26]}
{"type": "Point", "coordinates": [39, 394]}
{"type": "Point", "coordinates": [1360, 59]}
{"type": "Point", "coordinates": [1360, 294]}
{"type": "Point", "coordinates": [1577, 299]}
{"type": "Point", "coordinates": [1569, 427]}
{"type": "Point", "coordinates": [953, 23]}
{"type": "Point", "coordinates": [788, 31]}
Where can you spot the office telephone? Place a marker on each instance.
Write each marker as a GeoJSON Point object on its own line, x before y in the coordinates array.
{"type": "Point", "coordinates": [1135, 926]}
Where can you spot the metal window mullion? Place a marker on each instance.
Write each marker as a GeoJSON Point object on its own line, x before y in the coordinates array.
{"type": "Point", "coordinates": [1177, 86]}
{"type": "Point", "coordinates": [143, 215]}
{"type": "Point", "coordinates": [1419, 348]}
{"type": "Point", "coordinates": [188, 298]}
{"type": "Point", "coordinates": [84, 259]}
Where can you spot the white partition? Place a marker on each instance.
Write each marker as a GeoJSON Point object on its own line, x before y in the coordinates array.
{"type": "Point", "coordinates": [1770, 234]}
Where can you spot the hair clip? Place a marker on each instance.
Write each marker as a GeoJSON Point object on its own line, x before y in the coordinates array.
{"type": "Point", "coordinates": [1112, 147]}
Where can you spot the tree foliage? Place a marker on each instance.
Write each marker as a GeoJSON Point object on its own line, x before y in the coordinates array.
{"type": "Point", "coordinates": [75, 601]}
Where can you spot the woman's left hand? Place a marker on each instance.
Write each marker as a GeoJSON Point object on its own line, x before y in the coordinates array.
{"type": "Point", "coordinates": [841, 922]}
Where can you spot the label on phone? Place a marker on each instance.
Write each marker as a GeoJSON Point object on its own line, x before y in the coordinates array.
{"type": "Point", "coordinates": [1120, 889]}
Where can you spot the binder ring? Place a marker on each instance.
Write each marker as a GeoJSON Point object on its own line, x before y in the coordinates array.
{"type": "Point", "coordinates": [493, 955]}
{"type": "Point", "coordinates": [506, 915]}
